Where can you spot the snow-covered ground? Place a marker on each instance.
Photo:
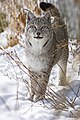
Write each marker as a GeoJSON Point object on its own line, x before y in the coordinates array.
{"type": "Point", "coordinates": [14, 103]}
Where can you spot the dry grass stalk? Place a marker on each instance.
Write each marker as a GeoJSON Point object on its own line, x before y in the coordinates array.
{"type": "Point", "coordinates": [3, 21]}
{"type": "Point", "coordinates": [32, 5]}
{"type": "Point", "coordinates": [12, 42]}
{"type": "Point", "coordinates": [60, 102]}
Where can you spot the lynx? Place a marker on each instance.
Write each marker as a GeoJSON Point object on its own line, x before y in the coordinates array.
{"type": "Point", "coordinates": [46, 44]}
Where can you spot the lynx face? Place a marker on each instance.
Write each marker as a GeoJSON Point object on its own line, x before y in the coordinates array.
{"type": "Point", "coordinates": [38, 31]}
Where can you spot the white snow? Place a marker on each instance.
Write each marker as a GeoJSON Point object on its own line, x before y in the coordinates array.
{"type": "Point", "coordinates": [14, 103]}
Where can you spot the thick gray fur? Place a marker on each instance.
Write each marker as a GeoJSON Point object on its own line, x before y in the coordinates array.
{"type": "Point", "coordinates": [46, 45]}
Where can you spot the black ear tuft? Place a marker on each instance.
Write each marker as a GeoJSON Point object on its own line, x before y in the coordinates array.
{"type": "Point", "coordinates": [44, 6]}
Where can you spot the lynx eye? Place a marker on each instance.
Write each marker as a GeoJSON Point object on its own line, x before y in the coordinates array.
{"type": "Point", "coordinates": [32, 27]}
{"type": "Point", "coordinates": [44, 29]}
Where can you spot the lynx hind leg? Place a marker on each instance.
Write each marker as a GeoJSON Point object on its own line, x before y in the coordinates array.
{"type": "Point", "coordinates": [63, 68]}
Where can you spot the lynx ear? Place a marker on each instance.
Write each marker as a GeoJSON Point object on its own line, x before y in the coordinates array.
{"type": "Point", "coordinates": [30, 16]}
{"type": "Point", "coordinates": [47, 16]}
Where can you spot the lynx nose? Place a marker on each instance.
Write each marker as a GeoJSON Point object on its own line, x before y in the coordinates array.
{"type": "Point", "coordinates": [38, 33]}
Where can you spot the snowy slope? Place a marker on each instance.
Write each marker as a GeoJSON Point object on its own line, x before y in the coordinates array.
{"type": "Point", "coordinates": [14, 103]}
